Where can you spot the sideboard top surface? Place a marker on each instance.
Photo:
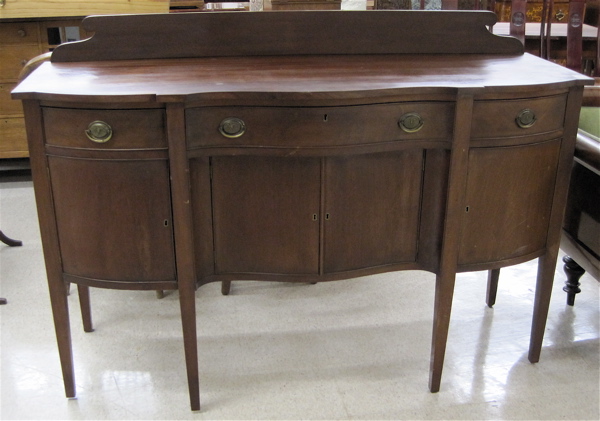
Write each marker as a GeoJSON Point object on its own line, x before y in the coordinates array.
{"type": "Point", "coordinates": [290, 77]}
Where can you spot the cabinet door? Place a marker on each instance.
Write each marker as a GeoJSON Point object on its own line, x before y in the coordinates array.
{"type": "Point", "coordinates": [508, 201]}
{"type": "Point", "coordinates": [114, 219]}
{"type": "Point", "coordinates": [372, 205]}
{"type": "Point", "coordinates": [265, 212]}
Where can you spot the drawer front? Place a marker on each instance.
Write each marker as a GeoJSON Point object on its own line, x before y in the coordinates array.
{"type": "Point", "coordinates": [14, 58]}
{"type": "Point", "coordinates": [521, 117]}
{"type": "Point", "coordinates": [19, 33]}
{"type": "Point", "coordinates": [125, 129]}
{"type": "Point", "coordinates": [9, 107]}
{"type": "Point", "coordinates": [321, 126]}
{"type": "Point", "coordinates": [13, 140]}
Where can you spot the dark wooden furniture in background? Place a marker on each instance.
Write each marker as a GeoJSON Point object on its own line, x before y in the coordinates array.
{"type": "Point", "coordinates": [11, 243]}
{"type": "Point", "coordinates": [306, 4]}
{"type": "Point", "coordinates": [298, 158]}
{"type": "Point", "coordinates": [581, 229]}
{"type": "Point", "coordinates": [534, 10]}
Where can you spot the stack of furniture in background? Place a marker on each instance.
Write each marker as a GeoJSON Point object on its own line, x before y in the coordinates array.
{"type": "Point", "coordinates": [32, 27]}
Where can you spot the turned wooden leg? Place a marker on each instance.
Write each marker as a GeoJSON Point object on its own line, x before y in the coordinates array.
{"type": "Point", "coordinates": [9, 241]}
{"type": "Point", "coordinates": [492, 287]}
{"type": "Point", "coordinates": [574, 272]}
{"type": "Point", "coordinates": [86, 310]}
{"type": "Point", "coordinates": [225, 287]}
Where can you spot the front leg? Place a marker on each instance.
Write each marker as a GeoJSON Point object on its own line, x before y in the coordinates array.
{"type": "Point", "coordinates": [444, 291]}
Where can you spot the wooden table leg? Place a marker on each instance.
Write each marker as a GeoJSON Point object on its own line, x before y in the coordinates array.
{"type": "Point", "coordinates": [60, 313]}
{"type": "Point", "coordinates": [543, 292]}
{"type": "Point", "coordinates": [444, 291]}
{"type": "Point", "coordinates": [225, 287]}
{"type": "Point", "coordinates": [492, 287]}
{"type": "Point", "coordinates": [188, 321]}
{"type": "Point", "coordinates": [11, 243]}
{"type": "Point", "coordinates": [86, 310]}
{"type": "Point", "coordinates": [574, 272]}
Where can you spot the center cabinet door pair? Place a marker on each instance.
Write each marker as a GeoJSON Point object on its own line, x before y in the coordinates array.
{"type": "Point", "coordinates": [311, 215]}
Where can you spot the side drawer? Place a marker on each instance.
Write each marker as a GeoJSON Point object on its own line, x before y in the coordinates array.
{"type": "Point", "coordinates": [519, 117]}
{"type": "Point", "coordinates": [129, 129]}
{"type": "Point", "coordinates": [19, 33]}
{"type": "Point", "coordinates": [14, 58]}
{"type": "Point", "coordinates": [319, 126]}
{"type": "Point", "coordinates": [9, 107]}
{"type": "Point", "coordinates": [13, 140]}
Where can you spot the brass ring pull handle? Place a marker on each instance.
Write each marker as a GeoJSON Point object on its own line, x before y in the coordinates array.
{"type": "Point", "coordinates": [99, 132]}
{"type": "Point", "coordinates": [411, 122]}
{"type": "Point", "coordinates": [526, 118]}
{"type": "Point", "coordinates": [232, 127]}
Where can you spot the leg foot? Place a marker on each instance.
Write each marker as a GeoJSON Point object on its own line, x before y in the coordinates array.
{"type": "Point", "coordinates": [225, 287]}
{"type": "Point", "coordinates": [86, 310]}
{"type": "Point", "coordinates": [543, 292]}
{"type": "Point", "coordinates": [9, 241]}
{"type": "Point", "coordinates": [492, 287]}
{"type": "Point", "coordinates": [444, 290]}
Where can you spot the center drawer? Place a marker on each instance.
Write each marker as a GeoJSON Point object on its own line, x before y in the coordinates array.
{"type": "Point", "coordinates": [319, 126]}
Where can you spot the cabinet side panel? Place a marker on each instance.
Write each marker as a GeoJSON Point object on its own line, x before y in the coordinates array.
{"type": "Point", "coordinates": [114, 219]}
{"type": "Point", "coordinates": [508, 202]}
{"type": "Point", "coordinates": [372, 205]}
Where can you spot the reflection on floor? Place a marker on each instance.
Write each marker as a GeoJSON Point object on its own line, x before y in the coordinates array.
{"type": "Point", "coordinates": [357, 349]}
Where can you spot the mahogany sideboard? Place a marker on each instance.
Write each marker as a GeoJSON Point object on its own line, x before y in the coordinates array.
{"type": "Point", "coordinates": [296, 146]}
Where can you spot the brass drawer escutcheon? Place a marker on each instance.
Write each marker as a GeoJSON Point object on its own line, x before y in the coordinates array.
{"type": "Point", "coordinates": [99, 132]}
{"type": "Point", "coordinates": [526, 118]}
{"type": "Point", "coordinates": [411, 122]}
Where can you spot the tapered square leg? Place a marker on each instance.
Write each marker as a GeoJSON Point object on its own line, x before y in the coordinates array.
{"type": "Point", "coordinates": [444, 290]}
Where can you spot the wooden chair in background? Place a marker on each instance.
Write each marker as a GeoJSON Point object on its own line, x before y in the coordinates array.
{"type": "Point", "coordinates": [583, 206]}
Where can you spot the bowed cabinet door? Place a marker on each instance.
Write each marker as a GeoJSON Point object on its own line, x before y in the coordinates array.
{"type": "Point", "coordinates": [508, 201]}
{"type": "Point", "coordinates": [266, 214]}
{"type": "Point", "coordinates": [372, 207]}
{"type": "Point", "coordinates": [114, 219]}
